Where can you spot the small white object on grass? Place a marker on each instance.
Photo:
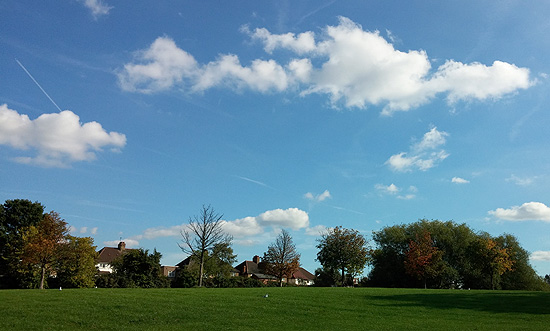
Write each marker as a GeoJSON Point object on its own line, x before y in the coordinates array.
{"type": "Point", "coordinates": [60, 288]}
{"type": "Point", "coordinates": [266, 295]}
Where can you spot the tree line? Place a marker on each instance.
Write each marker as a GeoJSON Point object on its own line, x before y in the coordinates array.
{"type": "Point", "coordinates": [34, 246]}
{"type": "Point", "coordinates": [37, 251]}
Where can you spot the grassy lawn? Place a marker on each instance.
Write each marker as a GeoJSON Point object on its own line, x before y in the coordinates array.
{"type": "Point", "coordinates": [284, 309]}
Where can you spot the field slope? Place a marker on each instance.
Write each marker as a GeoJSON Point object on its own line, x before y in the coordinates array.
{"type": "Point", "coordinates": [283, 309]}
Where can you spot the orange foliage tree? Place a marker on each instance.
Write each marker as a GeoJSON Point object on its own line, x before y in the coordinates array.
{"type": "Point", "coordinates": [422, 257]}
{"type": "Point", "coordinates": [495, 260]}
{"type": "Point", "coordinates": [281, 258]}
{"type": "Point", "coordinates": [42, 243]}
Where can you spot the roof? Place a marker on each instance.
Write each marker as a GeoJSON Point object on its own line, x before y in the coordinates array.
{"type": "Point", "coordinates": [251, 267]}
{"type": "Point", "coordinates": [302, 273]}
{"type": "Point", "coordinates": [108, 254]}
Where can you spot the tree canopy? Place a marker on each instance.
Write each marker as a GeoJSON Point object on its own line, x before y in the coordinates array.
{"type": "Point", "coordinates": [138, 268]}
{"type": "Point", "coordinates": [36, 248]}
{"type": "Point", "coordinates": [281, 258]}
{"type": "Point", "coordinates": [468, 259]}
{"type": "Point", "coordinates": [15, 217]}
{"type": "Point", "coordinates": [343, 249]}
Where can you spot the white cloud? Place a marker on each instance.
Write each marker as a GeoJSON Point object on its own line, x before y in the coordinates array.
{"type": "Point", "coordinates": [58, 138]}
{"type": "Point", "coordinates": [293, 218]}
{"type": "Point", "coordinates": [354, 67]}
{"type": "Point", "coordinates": [301, 44]}
{"type": "Point", "coordinates": [540, 256]}
{"type": "Point", "coordinates": [422, 155]}
{"type": "Point", "coordinates": [390, 189]}
{"type": "Point", "coordinates": [97, 7]}
{"type": "Point", "coordinates": [93, 230]}
{"type": "Point", "coordinates": [459, 180]}
{"type": "Point", "coordinates": [244, 227]}
{"type": "Point", "coordinates": [529, 211]}
{"type": "Point", "coordinates": [526, 181]}
{"type": "Point", "coordinates": [319, 197]}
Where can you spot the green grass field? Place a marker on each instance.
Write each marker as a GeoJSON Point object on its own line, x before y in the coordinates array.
{"type": "Point", "coordinates": [284, 309]}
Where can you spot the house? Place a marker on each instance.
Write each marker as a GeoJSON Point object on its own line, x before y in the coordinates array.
{"type": "Point", "coordinates": [253, 269]}
{"type": "Point", "coordinates": [302, 277]}
{"type": "Point", "coordinates": [107, 255]}
{"type": "Point", "coordinates": [169, 271]}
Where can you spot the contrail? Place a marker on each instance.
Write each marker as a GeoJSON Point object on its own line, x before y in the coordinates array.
{"type": "Point", "coordinates": [34, 80]}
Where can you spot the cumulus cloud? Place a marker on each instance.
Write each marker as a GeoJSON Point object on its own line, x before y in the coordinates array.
{"type": "Point", "coordinates": [58, 138]}
{"type": "Point", "coordinates": [459, 180]}
{"type": "Point", "coordinates": [97, 7]}
{"type": "Point", "coordinates": [301, 44]}
{"type": "Point", "coordinates": [390, 189]}
{"type": "Point", "coordinates": [422, 155]}
{"type": "Point", "coordinates": [529, 211]}
{"type": "Point", "coordinates": [353, 67]}
{"type": "Point", "coordinates": [540, 256]}
{"type": "Point", "coordinates": [293, 218]}
{"type": "Point", "coordinates": [318, 197]}
{"type": "Point", "coordinates": [243, 228]}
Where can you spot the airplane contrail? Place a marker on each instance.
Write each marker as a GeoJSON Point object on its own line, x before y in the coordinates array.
{"type": "Point", "coordinates": [34, 80]}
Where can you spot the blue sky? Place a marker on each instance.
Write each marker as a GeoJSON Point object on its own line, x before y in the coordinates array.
{"type": "Point", "coordinates": [127, 116]}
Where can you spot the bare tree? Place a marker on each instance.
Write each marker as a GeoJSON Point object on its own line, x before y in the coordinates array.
{"type": "Point", "coordinates": [281, 258]}
{"type": "Point", "coordinates": [202, 234]}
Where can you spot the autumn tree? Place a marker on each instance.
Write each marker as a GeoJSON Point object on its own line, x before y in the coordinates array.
{"type": "Point", "coordinates": [494, 260]}
{"type": "Point", "coordinates": [203, 232]}
{"type": "Point", "coordinates": [343, 249]}
{"type": "Point", "coordinates": [42, 243]}
{"type": "Point", "coordinates": [422, 257]}
{"type": "Point", "coordinates": [281, 258]}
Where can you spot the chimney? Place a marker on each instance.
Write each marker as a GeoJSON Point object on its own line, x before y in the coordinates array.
{"type": "Point", "coordinates": [121, 246]}
{"type": "Point", "coordinates": [256, 259]}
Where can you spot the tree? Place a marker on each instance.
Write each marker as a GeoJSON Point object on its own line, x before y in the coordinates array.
{"type": "Point", "coordinates": [494, 260]}
{"type": "Point", "coordinates": [15, 216]}
{"type": "Point", "coordinates": [218, 261]}
{"type": "Point", "coordinates": [326, 277]}
{"type": "Point", "coordinates": [422, 257]}
{"type": "Point", "coordinates": [464, 258]}
{"type": "Point", "coordinates": [76, 266]}
{"type": "Point", "coordinates": [343, 249]}
{"type": "Point", "coordinates": [203, 232]}
{"type": "Point", "coordinates": [138, 268]}
{"type": "Point", "coordinates": [281, 258]}
{"type": "Point", "coordinates": [42, 243]}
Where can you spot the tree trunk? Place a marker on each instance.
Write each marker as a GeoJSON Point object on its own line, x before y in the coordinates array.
{"type": "Point", "coordinates": [343, 277]}
{"type": "Point", "coordinates": [425, 286]}
{"type": "Point", "coordinates": [201, 268]}
{"type": "Point", "coordinates": [42, 277]}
